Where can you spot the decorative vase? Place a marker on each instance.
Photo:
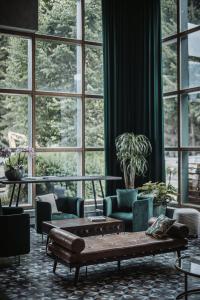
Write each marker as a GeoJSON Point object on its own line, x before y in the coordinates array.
{"type": "Point", "coordinates": [14, 174]}
{"type": "Point", "coordinates": [159, 209]}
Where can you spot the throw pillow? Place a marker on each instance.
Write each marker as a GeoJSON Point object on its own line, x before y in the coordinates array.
{"type": "Point", "coordinates": [125, 199]}
{"type": "Point", "coordinates": [50, 198]}
{"type": "Point", "coordinates": [160, 227]}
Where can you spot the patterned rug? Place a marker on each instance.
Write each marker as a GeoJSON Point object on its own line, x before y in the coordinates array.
{"type": "Point", "coordinates": [148, 278]}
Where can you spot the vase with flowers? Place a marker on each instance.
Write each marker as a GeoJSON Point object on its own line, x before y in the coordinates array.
{"type": "Point", "coordinates": [14, 162]}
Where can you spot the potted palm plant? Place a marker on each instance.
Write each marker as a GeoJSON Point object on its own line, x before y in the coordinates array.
{"type": "Point", "coordinates": [132, 151]}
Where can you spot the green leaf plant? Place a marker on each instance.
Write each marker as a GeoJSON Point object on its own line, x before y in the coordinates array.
{"type": "Point", "coordinates": [163, 193]}
{"type": "Point", "coordinates": [132, 151]}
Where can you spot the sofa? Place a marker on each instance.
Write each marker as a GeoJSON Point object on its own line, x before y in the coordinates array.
{"type": "Point", "coordinates": [14, 232]}
{"type": "Point", "coordinates": [74, 251]}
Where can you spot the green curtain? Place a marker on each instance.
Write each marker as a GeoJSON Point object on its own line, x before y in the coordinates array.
{"type": "Point", "coordinates": [133, 85]}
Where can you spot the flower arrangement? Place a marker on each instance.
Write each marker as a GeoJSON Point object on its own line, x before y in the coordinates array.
{"type": "Point", "coordinates": [14, 161]}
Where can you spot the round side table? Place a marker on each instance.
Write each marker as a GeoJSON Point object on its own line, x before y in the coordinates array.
{"type": "Point", "coordinates": [189, 266]}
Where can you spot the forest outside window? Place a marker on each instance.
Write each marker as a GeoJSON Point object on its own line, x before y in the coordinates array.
{"type": "Point", "coordinates": [51, 95]}
{"type": "Point", "coordinates": [181, 79]}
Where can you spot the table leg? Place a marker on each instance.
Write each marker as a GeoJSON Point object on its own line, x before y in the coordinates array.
{"type": "Point", "coordinates": [102, 193]}
{"type": "Point", "coordinates": [94, 193]}
{"type": "Point", "coordinates": [18, 194]}
{"type": "Point", "coordinates": [186, 286]}
{"type": "Point", "coordinates": [11, 198]}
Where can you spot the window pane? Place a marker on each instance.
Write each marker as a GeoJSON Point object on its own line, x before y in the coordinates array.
{"type": "Point", "coordinates": [94, 123]}
{"type": "Point", "coordinates": [58, 67]}
{"type": "Point", "coordinates": [193, 112]}
{"type": "Point", "coordinates": [169, 16]}
{"type": "Point", "coordinates": [171, 167]}
{"type": "Point", "coordinates": [14, 120]}
{"type": "Point", "coordinates": [93, 20]}
{"type": "Point", "coordinates": [60, 18]}
{"type": "Point", "coordinates": [94, 164]}
{"type": "Point", "coordinates": [190, 14]}
{"type": "Point", "coordinates": [58, 122]}
{"type": "Point", "coordinates": [170, 121]}
{"type": "Point", "coordinates": [170, 67]}
{"type": "Point", "coordinates": [60, 164]}
{"type": "Point", "coordinates": [191, 119]}
{"type": "Point", "coordinates": [194, 178]}
{"type": "Point", "coordinates": [194, 119]}
{"type": "Point", "coordinates": [94, 70]}
{"type": "Point", "coordinates": [14, 62]}
{"type": "Point", "coordinates": [190, 60]}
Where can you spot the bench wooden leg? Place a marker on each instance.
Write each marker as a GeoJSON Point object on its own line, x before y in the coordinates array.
{"type": "Point", "coordinates": [119, 265]}
{"type": "Point", "coordinates": [178, 256]}
{"type": "Point", "coordinates": [76, 275]}
{"type": "Point", "coordinates": [86, 271]}
{"type": "Point", "coordinates": [55, 265]}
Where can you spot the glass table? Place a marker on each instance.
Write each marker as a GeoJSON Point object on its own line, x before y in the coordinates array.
{"type": "Point", "coordinates": [189, 266]}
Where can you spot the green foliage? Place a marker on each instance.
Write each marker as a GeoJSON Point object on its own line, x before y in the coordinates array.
{"type": "Point", "coordinates": [163, 193]}
{"type": "Point", "coordinates": [168, 10]}
{"type": "Point", "coordinates": [94, 166]}
{"type": "Point", "coordinates": [58, 120]}
{"type": "Point", "coordinates": [94, 123]}
{"type": "Point", "coordinates": [190, 15]}
{"type": "Point", "coordinates": [56, 164]}
{"type": "Point", "coordinates": [132, 151]}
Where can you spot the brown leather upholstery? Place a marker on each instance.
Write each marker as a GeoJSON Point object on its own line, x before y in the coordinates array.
{"type": "Point", "coordinates": [110, 247]}
{"type": "Point", "coordinates": [67, 240]}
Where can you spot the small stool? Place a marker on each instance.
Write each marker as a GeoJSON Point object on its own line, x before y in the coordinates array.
{"type": "Point", "coordinates": [189, 217]}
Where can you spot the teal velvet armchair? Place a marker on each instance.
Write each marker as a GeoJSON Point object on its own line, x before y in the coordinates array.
{"type": "Point", "coordinates": [136, 219]}
{"type": "Point", "coordinates": [66, 208]}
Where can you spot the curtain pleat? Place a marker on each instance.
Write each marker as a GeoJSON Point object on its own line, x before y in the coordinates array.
{"type": "Point", "coordinates": [132, 81]}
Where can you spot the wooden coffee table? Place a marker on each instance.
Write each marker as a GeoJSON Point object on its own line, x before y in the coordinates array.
{"type": "Point", "coordinates": [84, 227]}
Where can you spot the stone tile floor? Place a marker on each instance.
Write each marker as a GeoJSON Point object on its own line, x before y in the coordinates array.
{"type": "Point", "coordinates": [149, 278]}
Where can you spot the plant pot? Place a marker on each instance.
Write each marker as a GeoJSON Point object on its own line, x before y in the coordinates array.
{"type": "Point", "coordinates": [14, 174]}
{"type": "Point", "coordinates": [159, 210]}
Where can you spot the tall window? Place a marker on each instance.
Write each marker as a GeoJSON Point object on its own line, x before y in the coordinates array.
{"type": "Point", "coordinates": [181, 80]}
{"type": "Point", "coordinates": [51, 94]}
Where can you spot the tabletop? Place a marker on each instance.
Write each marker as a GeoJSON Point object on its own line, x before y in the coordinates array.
{"type": "Point", "coordinates": [59, 179]}
{"type": "Point", "coordinates": [189, 265]}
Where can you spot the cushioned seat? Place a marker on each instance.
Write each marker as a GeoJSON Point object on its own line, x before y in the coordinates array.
{"type": "Point", "coordinates": [124, 216]}
{"type": "Point", "coordinates": [75, 251]}
{"type": "Point", "coordinates": [63, 216]}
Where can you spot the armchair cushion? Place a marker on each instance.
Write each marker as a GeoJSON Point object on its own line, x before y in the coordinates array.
{"type": "Point", "coordinates": [124, 216]}
{"type": "Point", "coordinates": [125, 199]}
{"type": "Point", "coordinates": [62, 216]}
{"type": "Point", "coordinates": [50, 198]}
{"type": "Point", "coordinates": [160, 227]}
{"type": "Point", "coordinates": [71, 205]}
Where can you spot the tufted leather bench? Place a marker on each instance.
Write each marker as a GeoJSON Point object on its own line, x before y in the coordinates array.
{"type": "Point", "coordinates": [74, 251]}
